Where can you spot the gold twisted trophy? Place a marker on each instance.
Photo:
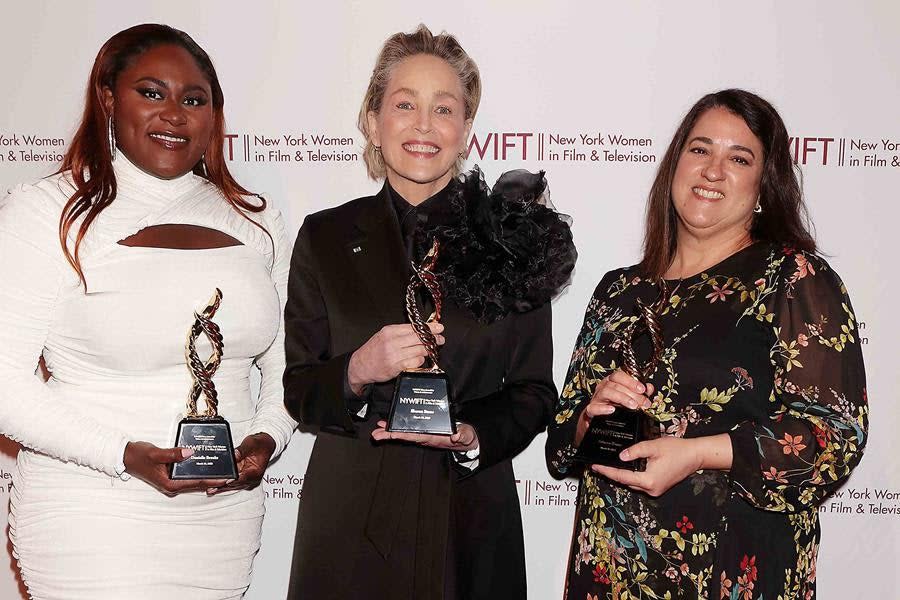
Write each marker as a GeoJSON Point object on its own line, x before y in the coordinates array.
{"type": "Point", "coordinates": [422, 396]}
{"type": "Point", "coordinates": [608, 435]}
{"type": "Point", "coordinates": [206, 433]}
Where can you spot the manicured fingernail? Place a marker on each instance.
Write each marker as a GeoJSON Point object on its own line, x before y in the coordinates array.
{"type": "Point", "coordinates": [639, 387]}
{"type": "Point", "coordinates": [608, 410]}
{"type": "Point", "coordinates": [625, 455]}
{"type": "Point", "coordinates": [229, 481]}
{"type": "Point", "coordinates": [186, 452]}
{"type": "Point", "coordinates": [210, 491]}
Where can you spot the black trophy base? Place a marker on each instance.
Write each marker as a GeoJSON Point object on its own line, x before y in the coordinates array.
{"type": "Point", "coordinates": [210, 439]}
{"type": "Point", "coordinates": [607, 436]}
{"type": "Point", "coordinates": [422, 404]}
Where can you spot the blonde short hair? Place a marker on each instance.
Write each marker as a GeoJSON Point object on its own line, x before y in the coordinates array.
{"type": "Point", "coordinates": [401, 46]}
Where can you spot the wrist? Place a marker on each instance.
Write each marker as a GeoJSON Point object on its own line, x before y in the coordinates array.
{"type": "Point", "coordinates": [126, 462]}
{"type": "Point", "coordinates": [713, 452]}
{"type": "Point", "coordinates": [472, 445]}
{"type": "Point", "coordinates": [581, 425]}
{"type": "Point", "coordinates": [121, 468]}
{"type": "Point", "coordinates": [355, 382]}
{"type": "Point", "coordinates": [698, 450]}
{"type": "Point", "coordinates": [266, 440]}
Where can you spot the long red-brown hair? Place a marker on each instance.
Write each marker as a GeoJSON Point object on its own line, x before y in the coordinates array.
{"type": "Point", "coordinates": [89, 157]}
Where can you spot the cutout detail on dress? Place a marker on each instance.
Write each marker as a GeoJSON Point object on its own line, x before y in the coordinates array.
{"type": "Point", "coordinates": [180, 237]}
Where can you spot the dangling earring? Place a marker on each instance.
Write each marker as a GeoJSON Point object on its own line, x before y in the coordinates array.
{"type": "Point", "coordinates": [203, 165]}
{"type": "Point", "coordinates": [758, 208]}
{"type": "Point", "coordinates": [111, 134]}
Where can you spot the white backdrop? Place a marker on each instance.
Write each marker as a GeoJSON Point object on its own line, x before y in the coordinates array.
{"type": "Point", "coordinates": [567, 86]}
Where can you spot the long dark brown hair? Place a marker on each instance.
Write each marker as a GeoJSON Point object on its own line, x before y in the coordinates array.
{"type": "Point", "coordinates": [784, 217]}
{"type": "Point", "coordinates": [89, 157]}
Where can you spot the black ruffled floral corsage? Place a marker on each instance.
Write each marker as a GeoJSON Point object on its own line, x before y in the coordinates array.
{"type": "Point", "coordinates": [503, 250]}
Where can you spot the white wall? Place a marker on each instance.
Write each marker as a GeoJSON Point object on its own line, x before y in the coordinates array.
{"type": "Point", "coordinates": [550, 69]}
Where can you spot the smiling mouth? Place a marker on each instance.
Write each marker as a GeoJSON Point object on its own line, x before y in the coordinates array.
{"type": "Point", "coordinates": [426, 149]}
{"type": "Point", "coordinates": [708, 194]}
{"type": "Point", "coordinates": [169, 141]}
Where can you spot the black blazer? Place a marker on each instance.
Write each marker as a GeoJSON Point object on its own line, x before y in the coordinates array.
{"type": "Point", "coordinates": [395, 520]}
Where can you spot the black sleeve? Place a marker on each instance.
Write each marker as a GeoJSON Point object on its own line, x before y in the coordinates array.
{"type": "Point", "coordinates": [316, 391]}
{"type": "Point", "coordinates": [590, 362]}
{"type": "Point", "coordinates": [507, 420]}
{"type": "Point", "coordinates": [818, 425]}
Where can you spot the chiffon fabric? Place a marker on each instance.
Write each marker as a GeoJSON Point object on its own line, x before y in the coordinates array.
{"type": "Point", "coordinates": [116, 356]}
{"type": "Point", "coordinates": [764, 347]}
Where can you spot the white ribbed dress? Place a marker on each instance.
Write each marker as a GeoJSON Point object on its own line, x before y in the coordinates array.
{"type": "Point", "coordinates": [116, 354]}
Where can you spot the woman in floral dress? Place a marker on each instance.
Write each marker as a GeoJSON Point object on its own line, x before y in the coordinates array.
{"type": "Point", "coordinates": [760, 390]}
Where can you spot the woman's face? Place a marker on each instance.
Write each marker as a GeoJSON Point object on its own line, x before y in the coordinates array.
{"type": "Point", "coordinates": [420, 126]}
{"type": "Point", "coordinates": [162, 110]}
{"type": "Point", "coordinates": [716, 184]}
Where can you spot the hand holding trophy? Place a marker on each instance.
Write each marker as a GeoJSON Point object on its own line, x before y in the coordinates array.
{"type": "Point", "coordinates": [422, 397]}
{"type": "Point", "coordinates": [608, 435]}
{"type": "Point", "coordinates": [207, 433]}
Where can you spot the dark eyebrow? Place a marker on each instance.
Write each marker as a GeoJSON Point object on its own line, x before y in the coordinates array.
{"type": "Point", "coordinates": [706, 140]}
{"type": "Point", "coordinates": [158, 82]}
{"type": "Point", "coordinates": [190, 88]}
{"type": "Point", "coordinates": [744, 149]}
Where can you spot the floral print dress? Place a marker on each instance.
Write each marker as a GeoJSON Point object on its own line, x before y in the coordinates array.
{"type": "Point", "coordinates": [763, 346]}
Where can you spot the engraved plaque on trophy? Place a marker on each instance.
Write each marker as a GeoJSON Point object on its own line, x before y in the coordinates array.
{"type": "Point", "coordinates": [608, 435]}
{"type": "Point", "coordinates": [206, 433]}
{"type": "Point", "coordinates": [422, 397]}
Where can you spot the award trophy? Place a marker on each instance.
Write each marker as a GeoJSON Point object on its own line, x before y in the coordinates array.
{"type": "Point", "coordinates": [207, 434]}
{"type": "Point", "coordinates": [422, 396]}
{"type": "Point", "coordinates": [608, 435]}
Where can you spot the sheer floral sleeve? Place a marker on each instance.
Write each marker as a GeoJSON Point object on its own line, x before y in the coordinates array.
{"type": "Point", "coordinates": [816, 432]}
{"type": "Point", "coordinates": [589, 364]}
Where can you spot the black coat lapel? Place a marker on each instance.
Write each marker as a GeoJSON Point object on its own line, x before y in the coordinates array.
{"type": "Point", "coordinates": [381, 263]}
{"type": "Point", "coordinates": [380, 259]}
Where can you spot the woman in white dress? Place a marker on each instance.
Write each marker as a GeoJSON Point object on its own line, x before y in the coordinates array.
{"type": "Point", "coordinates": [103, 266]}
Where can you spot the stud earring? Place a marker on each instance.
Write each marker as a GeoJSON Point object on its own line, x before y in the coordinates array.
{"type": "Point", "coordinates": [758, 208]}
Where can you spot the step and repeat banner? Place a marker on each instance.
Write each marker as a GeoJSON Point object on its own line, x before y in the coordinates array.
{"type": "Point", "coordinates": [591, 92]}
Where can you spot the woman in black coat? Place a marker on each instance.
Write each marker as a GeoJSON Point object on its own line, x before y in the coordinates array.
{"type": "Point", "coordinates": [399, 515]}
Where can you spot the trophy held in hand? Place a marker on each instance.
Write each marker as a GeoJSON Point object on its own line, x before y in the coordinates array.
{"type": "Point", "coordinates": [206, 433]}
{"type": "Point", "coordinates": [608, 435]}
{"type": "Point", "coordinates": [422, 397]}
